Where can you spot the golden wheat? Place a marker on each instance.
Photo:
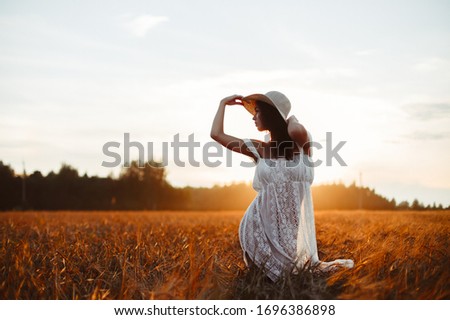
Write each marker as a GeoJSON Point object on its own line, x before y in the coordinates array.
{"type": "Point", "coordinates": [196, 255]}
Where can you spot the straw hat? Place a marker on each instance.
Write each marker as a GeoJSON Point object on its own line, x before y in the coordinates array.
{"type": "Point", "coordinates": [274, 98]}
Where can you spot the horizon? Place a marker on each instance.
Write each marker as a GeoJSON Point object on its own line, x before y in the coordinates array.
{"type": "Point", "coordinates": [77, 76]}
{"type": "Point", "coordinates": [225, 184]}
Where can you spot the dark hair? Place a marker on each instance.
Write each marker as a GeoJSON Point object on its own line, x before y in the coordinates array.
{"type": "Point", "coordinates": [274, 122]}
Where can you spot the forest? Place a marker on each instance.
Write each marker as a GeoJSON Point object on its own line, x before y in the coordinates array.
{"type": "Point", "coordinates": [146, 188]}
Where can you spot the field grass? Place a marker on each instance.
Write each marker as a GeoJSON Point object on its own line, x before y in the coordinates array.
{"type": "Point", "coordinates": [196, 255]}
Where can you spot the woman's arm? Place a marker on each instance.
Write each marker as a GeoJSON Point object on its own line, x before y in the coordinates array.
{"type": "Point", "coordinates": [298, 133]}
{"type": "Point", "coordinates": [217, 132]}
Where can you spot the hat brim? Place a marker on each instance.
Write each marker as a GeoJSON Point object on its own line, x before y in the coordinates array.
{"type": "Point", "coordinates": [249, 102]}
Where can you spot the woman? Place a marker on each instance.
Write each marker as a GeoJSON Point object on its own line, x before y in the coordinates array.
{"type": "Point", "coordinates": [277, 232]}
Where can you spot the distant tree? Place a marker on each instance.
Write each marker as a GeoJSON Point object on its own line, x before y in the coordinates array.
{"type": "Point", "coordinates": [36, 192]}
{"type": "Point", "coordinates": [393, 203]}
{"type": "Point", "coordinates": [404, 205]}
{"type": "Point", "coordinates": [143, 187]}
{"type": "Point", "coordinates": [416, 205]}
{"type": "Point", "coordinates": [339, 196]}
{"type": "Point", "coordinates": [10, 188]}
{"type": "Point", "coordinates": [67, 172]}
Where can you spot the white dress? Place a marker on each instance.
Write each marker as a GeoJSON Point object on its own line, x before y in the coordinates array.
{"type": "Point", "coordinates": [277, 231]}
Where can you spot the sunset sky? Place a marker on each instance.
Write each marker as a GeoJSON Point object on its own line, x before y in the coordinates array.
{"type": "Point", "coordinates": [376, 74]}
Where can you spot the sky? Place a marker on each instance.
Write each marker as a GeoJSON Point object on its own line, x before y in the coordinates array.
{"type": "Point", "coordinates": [76, 75]}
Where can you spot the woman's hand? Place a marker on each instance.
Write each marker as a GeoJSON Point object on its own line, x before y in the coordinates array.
{"type": "Point", "coordinates": [298, 133]}
{"type": "Point", "coordinates": [292, 119]}
{"type": "Point", "coordinates": [217, 126]}
{"type": "Point", "coordinates": [232, 100]}
{"type": "Point", "coordinates": [217, 133]}
{"type": "Point", "coordinates": [292, 124]}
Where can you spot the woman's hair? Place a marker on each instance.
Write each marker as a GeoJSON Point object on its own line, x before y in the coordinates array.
{"type": "Point", "coordinates": [274, 122]}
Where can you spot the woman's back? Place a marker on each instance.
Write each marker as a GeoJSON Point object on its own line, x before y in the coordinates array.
{"type": "Point", "coordinates": [281, 170]}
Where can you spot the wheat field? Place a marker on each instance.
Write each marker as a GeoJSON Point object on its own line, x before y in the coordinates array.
{"type": "Point", "coordinates": [196, 255]}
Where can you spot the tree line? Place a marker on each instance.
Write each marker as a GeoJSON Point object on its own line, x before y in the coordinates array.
{"type": "Point", "coordinates": [146, 188]}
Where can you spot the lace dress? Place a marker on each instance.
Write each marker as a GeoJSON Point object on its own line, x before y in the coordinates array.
{"type": "Point", "coordinates": [277, 231]}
